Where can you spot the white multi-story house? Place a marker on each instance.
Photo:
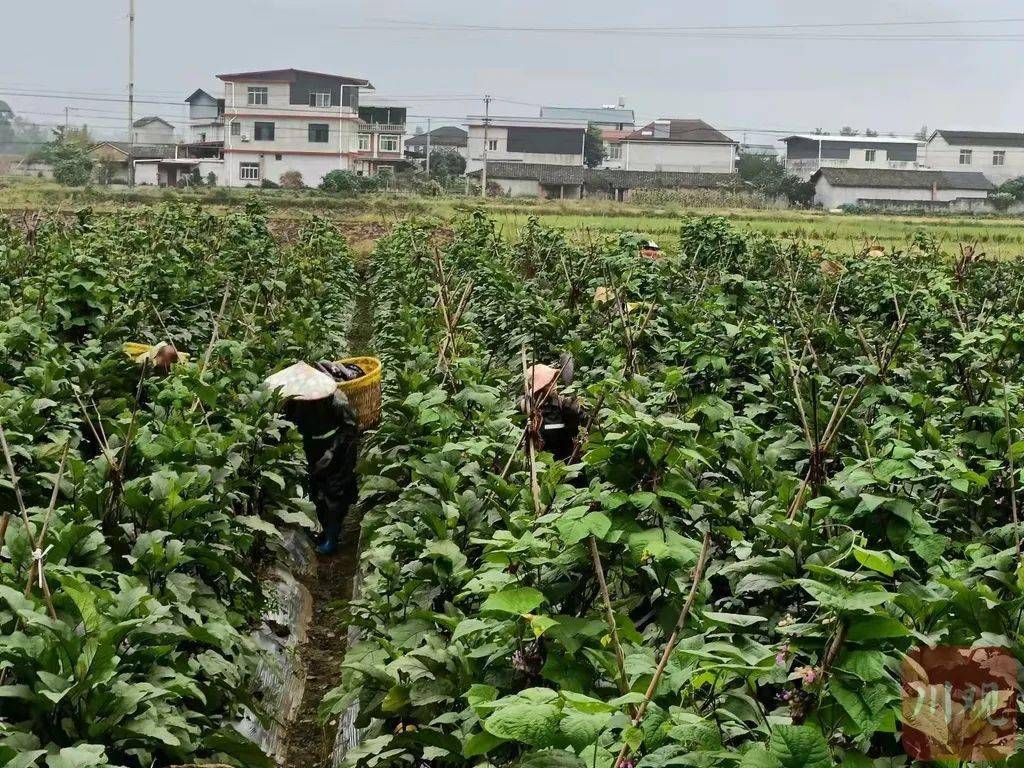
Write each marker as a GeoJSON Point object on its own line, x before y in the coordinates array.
{"type": "Point", "coordinates": [524, 140]}
{"type": "Point", "coordinates": [997, 154]}
{"type": "Point", "coordinates": [806, 153]}
{"type": "Point", "coordinates": [690, 146]}
{"type": "Point", "coordinates": [282, 120]}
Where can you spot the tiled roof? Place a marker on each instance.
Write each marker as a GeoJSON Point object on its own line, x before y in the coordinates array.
{"type": "Point", "coordinates": [599, 178]}
{"type": "Point", "coordinates": [141, 151]}
{"type": "Point", "coordinates": [982, 138]}
{"type": "Point", "coordinates": [680, 130]}
{"type": "Point", "coordinates": [142, 122]}
{"type": "Point", "coordinates": [445, 136]}
{"type": "Point", "coordinates": [886, 178]}
{"type": "Point", "coordinates": [545, 174]}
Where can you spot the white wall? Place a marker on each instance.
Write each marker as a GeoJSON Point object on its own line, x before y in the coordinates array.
{"type": "Point", "coordinates": [146, 173]}
{"type": "Point", "coordinates": [678, 156]}
{"type": "Point", "coordinates": [940, 155]}
{"type": "Point", "coordinates": [517, 187]}
{"type": "Point", "coordinates": [291, 136]}
{"type": "Point", "coordinates": [475, 150]}
{"type": "Point", "coordinates": [829, 196]}
{"type": "Point", "coordinates": [312, 167]}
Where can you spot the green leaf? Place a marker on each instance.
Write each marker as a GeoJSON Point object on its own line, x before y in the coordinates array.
{"type": "Point", "coordinates": [81, 756]}
{"type": "Point", "coordinates": [583, 728]}
{"type": "Point", "coordinates": [876, 561]}
{"type": "Point", "coordinates": [838, 598]}
{"type": "Point", "coordinates": [734, 619]}
{"type": "Point", "coordinates": [480, 744]}
{"type": "Point", "coordinates": [533, 724]}
{"type": "Point", "coordinates": [800, 746]}
{"type": "Point", "coordinates": [518, 600]}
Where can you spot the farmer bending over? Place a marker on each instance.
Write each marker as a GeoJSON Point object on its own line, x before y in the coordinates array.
{"type": "Point", "coordinates": [556, 419]}
{"type": "Point", "coordinates": [330, 438]}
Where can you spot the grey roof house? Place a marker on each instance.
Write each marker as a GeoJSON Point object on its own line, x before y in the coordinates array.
{"type": "Point", "coordinates": [616, 118]}
{"type": "Point", "coordinates": [807, 152]}
{"type": "Point", "coordinates": [901, 189]}
{"type": "Point", "coordinates": [447, 137]}
{"type": "Point", "coordinates": [997, 154]}
{"type": "Point", "coordinates": [574, 182]}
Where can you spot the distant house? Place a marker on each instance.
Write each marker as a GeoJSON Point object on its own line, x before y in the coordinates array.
{"type": "Point", "coordinates": [381, 130]}
{"type": "Point", "coordinates": [445, 138]}
{"type": "Point", "coordinates": [806, 153]}
{"type": "Point", "coordinates": [689, 146]}
{"type": "Point", "coordinates": [615, 124]}
{"type": "Point", "coordinates": [524, 140]}
{"type": "Point", "coordinates": [153, 130]}
{"type": "Point", "coordinates": [999, 155]}
{"type": "Point", "coordinates": [281, 120]}
{"type": "Point", "coordinates": [572, 182]}
{"type": "Point", "coordinates": [901, 189]}
{"type": "Point", "coordinates": [206, 118]}
{"type": "Point", "coordinates": [112, 157]}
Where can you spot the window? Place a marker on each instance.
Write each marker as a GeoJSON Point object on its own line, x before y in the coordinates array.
{"type": "Point", "coordinates": [614, 151]}
{"type": "Point", "coordinates": [965, 156]}
{"type": "Point", "coordinates": [388, 143]}
{"type": "Point", "coordinates": [869, 155]}
{"type": "Point", "coordinates": [278, 157]}
{"type": "Point", "coordinates": [492, 145]}
{"type": "Point", "coordinates": [999, 157]}
{"type": "Point", "coordinates": [236, 128]}
{"type": "Point", "coordinates": [319, 133]}
{"type": "Point", "coordinates": [263, 131]}
{"type": "Point", "coordinates": [249, 171]}
{"type": "Point", "coordinates": [258, 95]}
{"type": "Point", "coordinates": [320, 99]}
{"type": "Point", "coordinates": [364, 142]}
{"type": "Point", "coordinates": [202, 137]}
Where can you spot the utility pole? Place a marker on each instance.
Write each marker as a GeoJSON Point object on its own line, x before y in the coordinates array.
{"type": "Point", "coordinates": [66, 122]}
{"type": "Point", "coordinates": [487, 121]}
{"type": "Point", "coordinates": [131, 93]}
{"type": "Point", "coordinates": [428, 146]}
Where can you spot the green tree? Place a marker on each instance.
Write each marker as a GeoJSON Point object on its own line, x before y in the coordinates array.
{"type": "Point", "coordinates": [68, 153]}
{"type": "Point", "coordinates": [767, 175]}
{"type": "Point", "coordinates": [446, 164]}
{"type": "Point", "coordinates": [593, 147]}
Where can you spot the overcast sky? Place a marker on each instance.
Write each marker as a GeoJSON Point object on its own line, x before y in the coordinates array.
{"type": "Point", "coordinates": [804, 78]}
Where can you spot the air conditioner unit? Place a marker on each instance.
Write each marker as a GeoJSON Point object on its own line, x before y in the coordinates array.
{"type": "Point", "coordinates": [245, 137]}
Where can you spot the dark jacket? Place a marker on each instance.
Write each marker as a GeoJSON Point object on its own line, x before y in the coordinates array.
{"type": "Point", "coordinates": [330, 438]}
{"type": "Point", "coordinates": [560, 425]}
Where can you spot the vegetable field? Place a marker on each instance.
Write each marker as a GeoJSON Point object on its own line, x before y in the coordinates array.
{"type": "Point", "coordinates": [154, 501]}
{"type": "Point", "coordinates": [797, 467]}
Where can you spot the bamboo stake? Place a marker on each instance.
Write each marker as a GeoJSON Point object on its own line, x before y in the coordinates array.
{"type": "Point", "coordinates": [620, 660]}
{"type": "Point", "coordinates": [1012, 478]}
{"type": "Point", "coordinates": [698, 577]}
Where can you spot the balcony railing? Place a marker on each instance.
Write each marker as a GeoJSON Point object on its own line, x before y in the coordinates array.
{"type": "Point", "coordinates": [383, 128]}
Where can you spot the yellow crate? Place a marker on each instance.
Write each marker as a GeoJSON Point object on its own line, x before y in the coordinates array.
{"type": "Point", "coordinates": [364, 393]}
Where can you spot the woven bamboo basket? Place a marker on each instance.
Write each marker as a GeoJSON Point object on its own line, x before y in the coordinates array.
{"type": "Point", "coordinates": [364, 393]}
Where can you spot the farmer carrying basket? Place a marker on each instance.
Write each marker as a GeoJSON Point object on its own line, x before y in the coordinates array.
{"type": "Point", "coordinates": [330, 424]}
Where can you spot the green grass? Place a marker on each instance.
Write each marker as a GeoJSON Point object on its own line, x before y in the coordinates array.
{"type": "Point", "coordinates": [840, 233]}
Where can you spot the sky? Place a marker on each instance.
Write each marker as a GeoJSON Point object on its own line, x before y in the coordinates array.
{"type": "Point", "coordinates": [744, 71]}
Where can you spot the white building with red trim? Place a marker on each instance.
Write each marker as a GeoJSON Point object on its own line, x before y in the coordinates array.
{"type": "Point", "coordinates": [282, 120]}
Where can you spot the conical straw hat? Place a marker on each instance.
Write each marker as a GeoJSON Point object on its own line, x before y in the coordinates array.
{"type": "Point", "coordinates": [540, 377]}
{"type": "Point", "coordinates": [301, 382]}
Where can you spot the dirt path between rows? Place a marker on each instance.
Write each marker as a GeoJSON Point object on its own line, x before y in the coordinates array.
{"type": "Point", "coordinates": [307, 743]}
